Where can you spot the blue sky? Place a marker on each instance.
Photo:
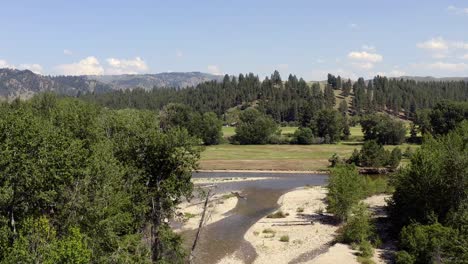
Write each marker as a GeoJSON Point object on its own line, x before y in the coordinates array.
{"type": "Point", "coordinates": [307, 38]}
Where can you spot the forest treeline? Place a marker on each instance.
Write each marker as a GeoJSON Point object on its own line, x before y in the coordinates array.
{"type": "Point", "coordinates": [289, 100]}
{"type": "Point", "coordinates": [84, 184]}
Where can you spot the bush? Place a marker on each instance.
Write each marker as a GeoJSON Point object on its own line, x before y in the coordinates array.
{"type": "Point", "coordinates": [345, 189]}
{"type": "Point", "coordinates": [373, 154]}
{"type": "Point", "coordinates": [335, 160]}
{"type": "Point", "coordinates": [359, 227]}
{"type": "Point", "coordinates": [255, 127]}
{"type": "Point", "coordinates": [403, 257]}
{"type": "Point", "coordinates": [303, 136]}
{"type": "Point", "coordinates": [284, 238]}
{"type": "Point", "coordinates": [278, 214]}
{"type": "Point", "coordinates": [268, 231]}
{"type": "Point", "coordinates": [366, 249]}
{"type": "Point", "coordinates": [383, 129]}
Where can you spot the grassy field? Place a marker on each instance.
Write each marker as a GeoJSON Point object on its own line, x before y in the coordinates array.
{"type": "Point", "coordinates": [280, 157]}
{"type": "Point", "coordinates": [275, 157]}
{"type": "Point", "coordinates": [231, 131]}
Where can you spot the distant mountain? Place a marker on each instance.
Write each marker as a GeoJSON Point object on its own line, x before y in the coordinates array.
{"type": "Point", "coordinates": [432, 79]}
{"type": "Point", "coordinates": [148, 81]}
{"type": "Point", "coordinates": [24, 83]}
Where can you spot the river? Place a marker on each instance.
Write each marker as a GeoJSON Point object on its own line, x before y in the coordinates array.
{"type": "Point", "coordinates": [226, 236]}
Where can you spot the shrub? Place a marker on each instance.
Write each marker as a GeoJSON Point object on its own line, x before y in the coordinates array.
{"type": "Point", "coordinates": [268, 231]}
{"type": "Point", "coordinates": [278, 214]}
{"type": "Point", "coordinates": [303, 136]}
{"type": "Point", "coordinates": [345, 189]}
{"type": "Point", "coordinates": [284, 238]}
{"type": "Point", "coordinates": [255, 127]}
{"type": "Point", "coordinates": [366, 249]}
{"type": "Point", "coordinates": [300, 210]}
{"type": "Point", "coordinates": [335, 160]}
{"type": "Point", "coordinates": [359, 227]}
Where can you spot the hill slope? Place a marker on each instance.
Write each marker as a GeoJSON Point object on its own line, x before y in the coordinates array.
{"type": "Point", "coordinates": [24, 83]}
{"type": "Point", "coordinates": [148, 81]}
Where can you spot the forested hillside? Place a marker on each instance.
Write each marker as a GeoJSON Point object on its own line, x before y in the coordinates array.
{"type": "Point", "coordinates": [293, 99]}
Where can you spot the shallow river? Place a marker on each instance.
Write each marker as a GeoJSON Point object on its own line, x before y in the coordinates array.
{"type": "Point", "coordinates": [226, 236]}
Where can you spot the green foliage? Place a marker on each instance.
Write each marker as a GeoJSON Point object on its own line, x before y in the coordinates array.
{"type": "Point", "coordinates": [328, 125]}
{"type": "Point", "coordinates": [303, 136]}
{"type": "Point", "coordinates": [435, 182]}
{"type": "Point", "coordinates": [446, 116]}
{"type": "Point", "coordinates": [345, 189]}
{"type": "Point", "coordinates": [383, 129]}
{"type": "Point", "coordinates": [255, 128]}
{"type": "Point", "coordinates": [79, 183]}
{"type": "Point", "coordinates": [278, 214]}
{"type": "Point", "coordinates": [366, 249]}
{"type": "Point", "coordinates": [284, 238]}
{"type": "Point", "coordinates": [358, 228]}
{"type": "Point", "coordinates": [207, 127]}
{"type": "Point", "coordinates": [372, 154]}
{"type": "Point", "coordinates": [431, 244]}
{"type": "Point", "coordinates": [38, 243]}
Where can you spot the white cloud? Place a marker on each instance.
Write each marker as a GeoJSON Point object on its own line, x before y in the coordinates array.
{"type": "Point", "coordinates": [319, 61]}
{"type": "Point", "coordinates": [86, 66]}
{"type": "Point", "coordinates": [392, 73]}
{"type": "Point", "coordinates": [464, 57]}
{"type": "Point", "coordinates": [36, 68]}
{"type": "Point", "coordinates": [458, 10]}
{"type": "Point", "coordinates": [460, 45]}
{"type": "Point", "coordinates": [122, 66]}
{"type": "Point", "coordinates": [444, 66]}
{"type": "Point", "coordinates": [67, 52]}
{"type": "Point", "coordinates": [363, 65]}
{"type": "Point", "coordinates": [179, 54]}
{"type": "Point", "coordinates": [368, 48]}
{"type": "Point", "coordinates": [353, 25]}
{"type": "Point", "coordinates": [365, 56]}
{"type": "Point", "coordinates": [441, 48]}
{"type": "Point", "coordinates": [4, 64]}
{"type": "Point", "coordinates": [434, 44]}
{"type": "Point", "coordinates": [214, 69]}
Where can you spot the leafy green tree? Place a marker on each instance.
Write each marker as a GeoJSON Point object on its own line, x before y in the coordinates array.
{"type": "Point", "coordinates": [210, 129]}
{"type": "Point", "coordinates": [345, 189]}
{"type": "Point", "coordinates": [433, 243]}
{"type": "Point", "coordinates": [445, 116]}
{"type": "Point", "coordinates": [329, 124]}
{"type": "Point", "coordinates": [383, 129]}
{"type": "Point", "coordinates": [435, 182]}
{"type": "Point", "coordinates": [303, 136]}
{"type": "Point", "coordinates": [358, 228]}
{"type": "Point", "coordinates": [255, 128]}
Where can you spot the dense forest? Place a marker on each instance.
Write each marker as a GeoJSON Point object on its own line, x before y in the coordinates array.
{"type": "Point", "coordinates": [83, 184]}
{"type": "Point", "coordinates": [290, 100]}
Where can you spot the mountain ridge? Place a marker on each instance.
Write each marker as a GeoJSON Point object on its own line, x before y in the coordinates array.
{"type": "Point", "coordinates": [24, 84]}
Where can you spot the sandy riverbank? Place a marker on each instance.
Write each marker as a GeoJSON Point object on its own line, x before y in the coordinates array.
{"type": "Point", "coordinates": [218, 208]}
{"type": "Point", "coordinates": [225, 179]}
{"type": "Point", "coordinates": [271, 171]}
{"type": "Point", "coordinates": [310, 232]}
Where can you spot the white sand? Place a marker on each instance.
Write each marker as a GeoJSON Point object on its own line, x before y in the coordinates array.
{"type": "Point", "coordinates": [224, 179]}
{"type": "Point", "coordinates": [218, 208]}
{"type": "Point", "coordinates": [302, 238]}
{"type": "Point", "coordinates": [271, 171]}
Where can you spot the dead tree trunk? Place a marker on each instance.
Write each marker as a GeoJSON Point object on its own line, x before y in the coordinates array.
{"type": "Point", "coordinates": [200, 226]}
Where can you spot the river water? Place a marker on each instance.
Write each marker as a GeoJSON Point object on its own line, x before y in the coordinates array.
{"type": "Point", "coordinates": [226, 236]}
